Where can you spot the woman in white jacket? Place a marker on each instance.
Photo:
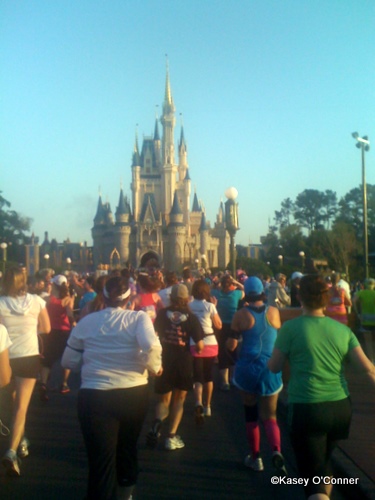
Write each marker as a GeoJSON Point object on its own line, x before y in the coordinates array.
{"type": "Point", "coordinates": [115, 348]}
{"type": "Point", "coordinates": [23, 315]}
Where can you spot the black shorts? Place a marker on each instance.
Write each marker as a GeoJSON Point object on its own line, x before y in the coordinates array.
{"type": "Point", "coordinates": [27, 367]}
{"type": "Point", "coordinates": [54, 346]}
{"type": "Point", "coordinates": [315, 430]}
{"type": "Point", "coordinates": [177, 374]}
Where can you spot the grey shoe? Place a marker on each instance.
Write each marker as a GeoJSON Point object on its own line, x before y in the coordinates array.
{"type": "Point", "coordinates": [254, 463]}
{"type": "Point", "coordinates": [11, 463]}
{"type": "Point", "coordinates": [174, 443]}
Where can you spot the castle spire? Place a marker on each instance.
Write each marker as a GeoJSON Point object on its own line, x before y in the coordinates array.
{"type": "Point", "coordinates": [168, 94]}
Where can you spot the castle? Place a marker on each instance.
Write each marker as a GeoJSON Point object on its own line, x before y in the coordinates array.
{"type": "Point", "coordinates": [159, 216]}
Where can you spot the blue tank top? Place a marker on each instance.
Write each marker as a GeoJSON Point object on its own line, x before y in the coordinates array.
{"type": "Point", "coordinates": [258, 341]}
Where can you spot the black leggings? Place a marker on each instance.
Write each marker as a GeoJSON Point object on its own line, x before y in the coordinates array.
{"type": "Point", "coordinates": [111, 422]}
{"type": "Point", "coordinates": [315, 430]}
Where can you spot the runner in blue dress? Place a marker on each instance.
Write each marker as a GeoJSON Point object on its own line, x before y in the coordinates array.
{"type": "Point", "coordinates": [256, 324]}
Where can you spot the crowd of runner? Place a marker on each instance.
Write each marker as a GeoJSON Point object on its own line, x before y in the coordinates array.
{"type": "Point", "coordinates": [127, 331]}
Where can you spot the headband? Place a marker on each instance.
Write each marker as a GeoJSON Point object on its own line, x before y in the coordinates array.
{"type": "Point", "coordinates": [119, 298]}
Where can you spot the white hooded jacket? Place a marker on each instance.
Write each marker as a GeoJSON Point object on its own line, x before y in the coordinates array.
{"type": "Point", "coordinates": [20, 317]}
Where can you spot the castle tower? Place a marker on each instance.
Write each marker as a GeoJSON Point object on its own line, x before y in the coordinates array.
{"type": "Point", "coordinates": [136, 180]}
{"type": "Point", "coordinates": [176, 236]}
{"type": "Point", "coordinates": [122, 228]}
{"type": "Point", "coordinates": [168, 160]}
{"type": "Point", "coordinates": [204, 236]}
{"type": "Point", "coordinates": [97, 233]}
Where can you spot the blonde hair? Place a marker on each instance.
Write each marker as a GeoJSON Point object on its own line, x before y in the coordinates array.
{"type": "Point", "coordinates": [14, 283]}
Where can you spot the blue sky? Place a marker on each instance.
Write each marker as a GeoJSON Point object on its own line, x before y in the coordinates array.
{"type": "Point", "coordinates": [270, 92]}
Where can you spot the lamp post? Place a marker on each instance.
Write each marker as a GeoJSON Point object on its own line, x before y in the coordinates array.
{"type": "Point", "coordinates": [302, 255]}
{"type": "Point", "coordinates": [281, 258]}
{"type": "Point", "coordinates": [4, 247]}
{"type": "Point", "coordinates": [231, 222]}
{"type": "Point", "coordinates": [364, 145]}
{"type": "Point", "coordinates": [68, 262]}
{"type": "Point", "coordinates": [46, 258]}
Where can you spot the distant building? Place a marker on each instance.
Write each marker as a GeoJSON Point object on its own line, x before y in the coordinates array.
{"type": "Point", "coordinates": [159, 217]}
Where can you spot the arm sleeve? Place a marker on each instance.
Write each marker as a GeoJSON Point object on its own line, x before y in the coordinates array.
{"type": "Point", "coordinates": [353, 341]}
{"type": "Point", "coordinates": [148, 342]}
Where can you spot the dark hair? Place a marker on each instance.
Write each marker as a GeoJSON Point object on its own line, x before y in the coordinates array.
{"type": "Point", "coordinates": [313, 291]}
{"type": "Point", "coordinates": [171, 278]}
{"type": "Point", "coordinates": [115, 287]}
{"type": "Point", "coordinates": [335, 278]}
{"type": "Point", "coordinates": [14, 283]}
{"type": "Point", "coordinates": [226, 282]}
{"type": "Point", "coordinates": [150, 284]}
{"type": "Point", "coordinates": [63, 290]}
{"type": "Point", "coordinates": [186, 273]}
{"type": "Point", "coordinates": [180, 304]}
{"type": "Point", "coordinates": [91, 281]}
{"type": "Point", "coordinates": [201, 290]}
{"type": "Point", "coordinates": [255, 298]}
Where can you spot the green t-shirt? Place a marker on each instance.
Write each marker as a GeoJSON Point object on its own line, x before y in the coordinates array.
{"type": "Point", "coordinates": [316, 348]}
{"type": "Point", "coordinates": [367, 300]}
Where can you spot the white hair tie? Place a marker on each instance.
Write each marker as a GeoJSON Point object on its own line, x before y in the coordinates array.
{"type": "Point", "coordinates": [119, 298]}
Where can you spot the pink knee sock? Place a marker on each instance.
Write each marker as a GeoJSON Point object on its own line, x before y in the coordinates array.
{"type": "Point", "coordinates": [272, 433]}
{"type": "Point", "coordinates": [253, 437]}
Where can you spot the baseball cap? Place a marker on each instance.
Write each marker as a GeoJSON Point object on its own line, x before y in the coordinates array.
{"type": "Point", "coordinates": [296, 275]}
{"type": "Point", "coordinates": [253, 286]}
{"type": "Point", "coordinates": [59, 280]}
{"type": "Point", "coordinates": [179, 291]}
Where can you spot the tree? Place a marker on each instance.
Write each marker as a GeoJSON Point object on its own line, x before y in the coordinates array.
{"type": "Point", "coordinates": [12, 228]}
{"type": "Point", "coordinates": [283, 217]}
{"type": "Point", "coordinates": [308, 209]}
{"type": "Point", "coordinates": [342, 246]}
{"type": "Point", "coordinates": [329, 208]}
{"type": "Point", "coordinates": [351, 212]}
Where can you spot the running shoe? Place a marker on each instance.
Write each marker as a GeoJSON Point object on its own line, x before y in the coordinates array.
{"type": "Point", "coordinates": [23, 448]}
{"type": "Point", "coordinates": [153, 435]}
{"type": "Point", "coordinates": [279, 463]}
{"type": "Point", "coordinates": [174, 443]}
{"type": "Point", "coordinates": [207, 411]}
{"type": "Point", "coordinates": [199, 414]}
{"type": "Point", "coordinates": [11, 463]}
{"type": "Point", "coordinates": [225, 387]}
{"type": "Point", "coordinates": [254, 463]}
{"type": "Point", "coordinates": [64, 389]}
{"type": "Point", "coordinates": [43, 396]}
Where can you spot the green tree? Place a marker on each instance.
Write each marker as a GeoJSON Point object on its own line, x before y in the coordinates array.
{"type": "Point", "coordinates": [283, 217]}
{"type": "Point", "coordinates": [351, 212]}
{"type": "Point", "coordinates": [13, 229]}
{"type": "Point", "coordinates": [308, 209]}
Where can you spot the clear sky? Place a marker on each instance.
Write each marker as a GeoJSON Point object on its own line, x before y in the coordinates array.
{"type": "Point", "coordinates": [270, 92]}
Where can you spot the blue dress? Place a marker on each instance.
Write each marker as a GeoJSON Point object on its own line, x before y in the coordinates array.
{"type": "Point", "coordinates": [251, 373]}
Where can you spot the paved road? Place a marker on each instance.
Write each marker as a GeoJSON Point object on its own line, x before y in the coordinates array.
{"type": "Point", "coordinates": [209, 467]}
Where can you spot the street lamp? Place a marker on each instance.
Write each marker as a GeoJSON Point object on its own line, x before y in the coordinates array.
{"type": "Point", "coordinates": [302, 255]}
{"type": "Point", "coordinates": [46, 258]}
{"type": "Point", "coordinates": [4, 247]}
{"type": "Point", "coordinates": [364, 145]}
{"type": "Point", "coordinates": [231, 222]}
{"type": "Point", "coordinates": [68, 262]}
{"type": "Point", "coordinates": [280, 257]}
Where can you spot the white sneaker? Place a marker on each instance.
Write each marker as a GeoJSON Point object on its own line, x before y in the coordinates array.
{"type": "Point", "coordinates": [23, 448]}
{"type": "Point", "coordinates": [174, 443]}
{"type": "Point", "coordinates": [279, 463]}
{"type": "Point", "coordinates": [207, 411]}
{"type": "Point", "coordinates": [11, 463]}
{"type": "Point", "coordinates": [254, 463]}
